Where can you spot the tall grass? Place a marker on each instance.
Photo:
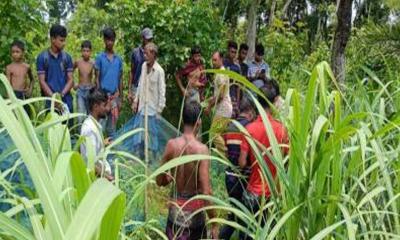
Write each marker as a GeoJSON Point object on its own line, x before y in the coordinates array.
{"type": "Point", "coordinates": [340, 179]}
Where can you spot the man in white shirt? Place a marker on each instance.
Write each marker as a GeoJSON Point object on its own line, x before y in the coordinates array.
{"type": "Point", "coordinates": [222, 103]}
{"type": "Point", "coordinates": [150, 99]}
{"type": "Point", "coordinates": [92, 131]}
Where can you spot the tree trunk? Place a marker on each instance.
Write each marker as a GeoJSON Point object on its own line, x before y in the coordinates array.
{"type": "Point", "coordinates": [251, 33]}
{"type": "Point", "coordinates": [342, 35]}
{"type": "Point", "coordinates": [272, 13]}
{"type": "Point", "coordinates": [285, 9]}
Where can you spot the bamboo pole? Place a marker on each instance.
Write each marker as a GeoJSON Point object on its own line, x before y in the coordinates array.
{"type": "Point", "coordinates": [146, 143]}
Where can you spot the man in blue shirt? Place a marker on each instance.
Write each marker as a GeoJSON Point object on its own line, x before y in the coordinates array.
{"type": "Point", "coordinates": [108, 66]}
{"type": "Point", "coordinates": [230, 63]}
{"type": "Point", "coordinates": [55, 67]}
{"type": "Point", "coordinates": [137, 60]}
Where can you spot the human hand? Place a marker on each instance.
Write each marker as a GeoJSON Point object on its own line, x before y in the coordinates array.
{"type": "Point", "coordinates": [109, 177]}
{"type": "Point", "coordinates": [134, 107]}
{"type": "Point", "coordinates": [107, 141]}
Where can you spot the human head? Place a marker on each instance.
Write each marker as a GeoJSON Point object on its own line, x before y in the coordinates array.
{"type": "Point", "coordinates": [191, 114]}
{"type": "Point", "coordinates": [259, 52]}
{"type": "Point", "coordinates": [247, 108]}
{"type": "Point", "coordinates": [270, 93]}
{"type": "Point", "coordinates": [17, 50]}
{"type": "Point", "coordinates": [98, 103]}
{"type": "Point", "coordinates": [243, 49]}
{"type": "Point", "coordinates": [150, 52]}
{"type": "Point", "coordinates": [196, 54]}
{"type": "Point", "coordinates": [147, 36]}
{"type": "Point", "coordinates": [86, 49]}
{"type": "Point", "coordinates": [217, 60]}
{"type": "Point", "coordinates": [58, 34]}
{"type": "Point", "coordinates": [232, 50]}
{"type": "Point", "coordinates": [109, 38]}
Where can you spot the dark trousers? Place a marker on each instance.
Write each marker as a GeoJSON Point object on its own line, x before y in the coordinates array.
{"type": "Point", "coordinates": [235, 187]}
{"type": "Point", "coordinates": [252, 203]}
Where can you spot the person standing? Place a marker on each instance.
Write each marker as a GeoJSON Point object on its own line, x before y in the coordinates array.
{"type": "Point", "coordinates": [243, 49]}
{"type": "Point", "coordinates": [55, 67]}
{"type": "Point", "coordinates": [258, 69]}
{"type": "Point", "coordinates": [230, 63]}
{"type": "Point", "coordinates": [108, 72]}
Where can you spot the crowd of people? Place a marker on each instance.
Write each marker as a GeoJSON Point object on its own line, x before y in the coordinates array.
{"type": "Point", "coordinates": [99, 95]}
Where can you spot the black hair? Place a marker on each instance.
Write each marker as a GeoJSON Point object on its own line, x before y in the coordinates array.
{"type": "Point", "coordinates": [58, 31]}
{"type": "Point", "coordinates": [191, 113]}
{"type": "Point", "coordinates": [232, 44]}
{"type": "Point", "coordinates": [269, 92]}
{"type": "Point", "coordinates": [109, 33]}
{"type": "Point", "coordinates": [243, 46]}
{"type": "Point", "coordinates": [195, 50]}
{"type": "Point", "coordinates": [246, 105]}
{"type": "Point", "coordinates": [275, 84]}
{"type": "Point", "coordinates": [19, 44]}
{"type": "Point", "coordinates": [259, 49]}
{"type": "Point", "coordinates": [86, 44]}
{"type": "Point", "coordinates": [96, 96]}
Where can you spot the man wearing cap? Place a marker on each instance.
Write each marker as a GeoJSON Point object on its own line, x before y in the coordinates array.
{"type": "Point", "coordinates": [137, 60]}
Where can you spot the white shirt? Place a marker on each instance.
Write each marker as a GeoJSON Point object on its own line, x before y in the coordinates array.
{"type": "Point", "coordinates": [153, 84]}
{"type": "Point", "coordinates": [224, 107]}
{"type": "Point", "coordinates": [92, 131]}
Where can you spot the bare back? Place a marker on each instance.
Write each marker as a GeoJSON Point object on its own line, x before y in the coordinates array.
{"type": "Point", "coordinates": [191, 178]}
{"type": "Point", "coordinates": [17, 74]}
{"type": "Point", "coordinates": [85, 69]}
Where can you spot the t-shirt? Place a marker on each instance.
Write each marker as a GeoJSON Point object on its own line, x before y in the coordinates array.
{"type": "Point", "coordinates": [137, 59]}
{"type": "Point", "coordinates": [92, 131]}
{"type": "Point", "coordinates": [224, 107]}
{"type": "Point", "coordinates": [110, 72]}
{"type": "Point", "coordinates": [258, 132]}
{"type": "Point", "coordinates": [55, 70]}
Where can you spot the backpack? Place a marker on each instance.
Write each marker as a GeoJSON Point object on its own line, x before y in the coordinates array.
{"type": "Point", "coordinates": [46, 57]}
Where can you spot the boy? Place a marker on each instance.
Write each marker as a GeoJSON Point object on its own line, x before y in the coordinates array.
{"type": "Point", "coordinates": [85, 69]}
{"type": "Point", "coordinates": [18, 71]}
{"type": "Point", "coordinates": [193, 71]}
{"type": "Point", "coordinates": [92, 131]}
{"type": "Point", "coordinates": [108, 71]}
{"type": "Point", "coordinates": [258, 70]}
{"type": "Point", "coordinates": [191, 179]}
{"type": "Point", "coordinates": [230, 63]}
{"type": "Point", "coordinates": [55, 67]}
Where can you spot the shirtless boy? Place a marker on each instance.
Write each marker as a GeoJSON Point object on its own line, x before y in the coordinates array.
{"type": "Point", "coordinates": [191, 179]}
{"type": "Point", "coordinates": [85, 69]}
{"type": "Point", "coordinates": [18, 71]}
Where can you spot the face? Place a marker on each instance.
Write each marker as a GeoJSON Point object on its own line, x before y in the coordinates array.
{"type": "Point", "coordinates": [149, 56]}
{"type": "Point", "coordinates": [242, 54]}
{"type": "Point", "coordinates": [257, 57]}
{"type": "Point", "coordinates": [232, 53]}
{"type": "Point", "coordinates": [102, 109]}
{"type": "Point", "coordinates": [58, 42]}
{"type": "Point", "coordinates": [197, 58]}
{"type": "Point", "coordinates": [145, 41]}
{"type": "Point", "coordinates": [86, 53]}
{"type": "Point", "coordinates": [16, 53]}
{"type": "Point", "coordinates": [216, 61]}
{"type": "Point", "coordinates": [109, 43]}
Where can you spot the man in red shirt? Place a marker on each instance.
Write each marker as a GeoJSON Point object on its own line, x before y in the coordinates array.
{"type": "Point", "coordinates": [258, 184]}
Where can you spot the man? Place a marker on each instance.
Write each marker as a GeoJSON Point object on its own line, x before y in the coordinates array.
{"type": "Point", "coordinates": [191, 179]}
{"type": "Point", "coordinates": [196, 78]}
{"type": "Point", "coordinates": [258, 69]}
{"type": "Point", "coordinates": [243, 50]}
{"type": "Point", "coordinates": [258, 185]}
{"type": "Point", "coordinates": [222, 103]}
{"type": "Point", "coordinates": [55, 67]}
{"type": "Point", "coordinates": [230, 63]}
{"type": "Point", "coordinates": [92, 131]}
{"type": "Point", "coordinates": [150, 94]}
{"type": "Point", "coordinates": [235, 179]}
{"type": "Point", "coordinates": [108, 66]}
{"type": "Point", "coordinates": [137, 60]}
